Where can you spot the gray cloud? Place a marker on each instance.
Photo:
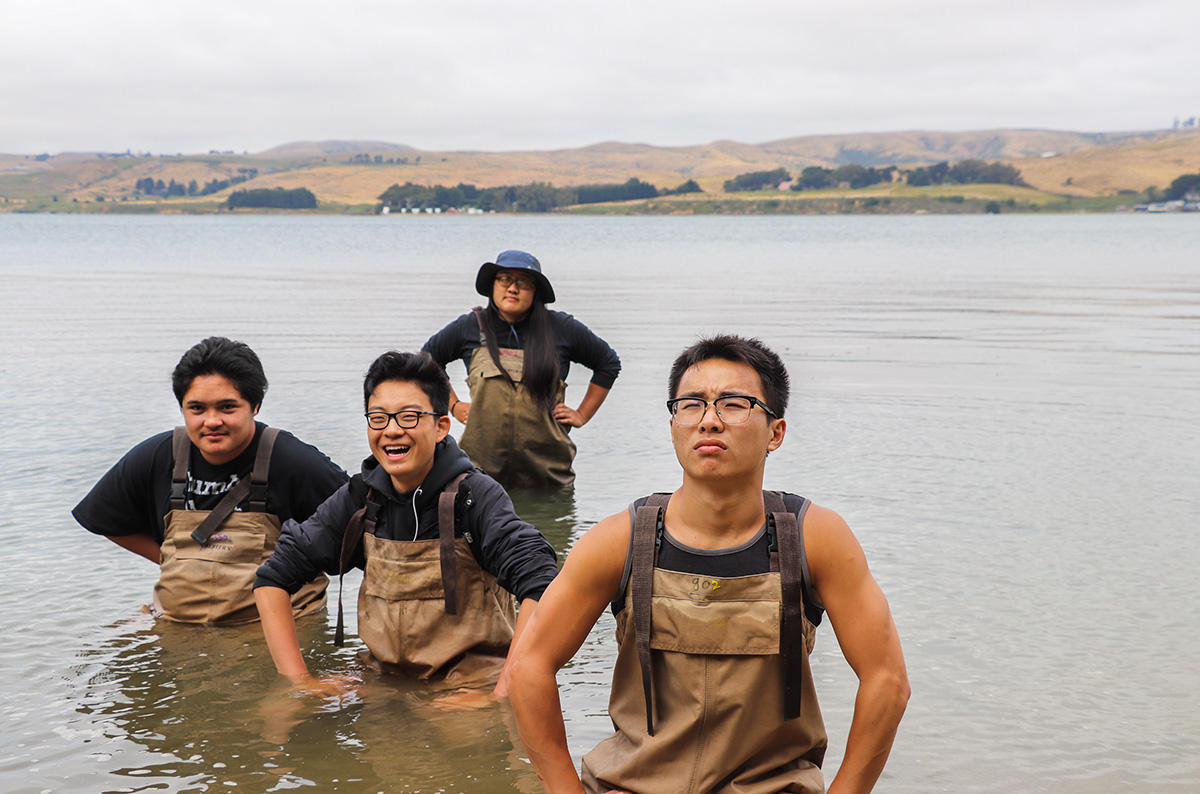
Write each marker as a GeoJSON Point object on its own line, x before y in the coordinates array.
{"type": "Point", "coordinates": [190, 76]}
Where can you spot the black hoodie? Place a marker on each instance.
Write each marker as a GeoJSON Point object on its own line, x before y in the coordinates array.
{"type": "Point", "coordinates": [512, 550]}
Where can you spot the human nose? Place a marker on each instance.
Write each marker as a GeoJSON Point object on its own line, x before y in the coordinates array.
{"type": "Point", "coordinates": [717, 419]}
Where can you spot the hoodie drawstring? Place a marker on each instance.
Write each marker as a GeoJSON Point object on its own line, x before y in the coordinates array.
{"type": "Point", "coordinates": [416, 521]}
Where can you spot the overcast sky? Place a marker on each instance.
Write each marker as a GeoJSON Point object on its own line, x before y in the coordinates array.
{"type": "Point", "coordinates": [169, 76]}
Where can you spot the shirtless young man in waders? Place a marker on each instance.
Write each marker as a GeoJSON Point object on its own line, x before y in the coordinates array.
{"type": "Point", "coordinates": [717, 589]}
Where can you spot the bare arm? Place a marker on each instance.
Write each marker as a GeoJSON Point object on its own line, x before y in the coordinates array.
{"type": "Point", "coordinates": [566, 613]}
{"type": "Point", "coordinates": [578, 417]}
{"type": "Point", "coordinates": [279, 628]}
{"type": "Point", "coordinates": [867, 635]}
{"type": "Point", "coordinates": [458, 409]}
{"type": "Point", "coordinates": [524, 614]}
{"type": "Point", "coordinates": [140, 544]}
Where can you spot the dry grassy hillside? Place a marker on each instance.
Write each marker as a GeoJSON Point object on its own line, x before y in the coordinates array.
{"type": "Point", "coordinates": [1085, 164]}
{"type": "Point", "coordinates": [1105, 170]}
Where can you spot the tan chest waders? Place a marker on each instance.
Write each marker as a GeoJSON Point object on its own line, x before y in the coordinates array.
{"type": "Point", "coordinates": [712, 690]}
{"type": "Point", "coordinates": [210, 557]}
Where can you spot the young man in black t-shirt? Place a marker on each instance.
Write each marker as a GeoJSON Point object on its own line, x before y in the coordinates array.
{"type": "Point", "coordinates": [156, 499]}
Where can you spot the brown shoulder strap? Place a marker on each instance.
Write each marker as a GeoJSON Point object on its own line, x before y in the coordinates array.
{"type": "Point", "coordinates": [791, 640]}
{"type": "Point", "coordinates": [641, 577]}
{"type": "Point", "coordinates": [262, 467]}
{"type": "Point", "coordinates": [446, 543]}
{"type": "Point", "coordinates": [361, 521]}
{"type": "Point", "coordinates": [181, 450]}
{"type": "Point", "coordinates": [232, 498]}
{"type": "Point", "coordinates": [486, 340]}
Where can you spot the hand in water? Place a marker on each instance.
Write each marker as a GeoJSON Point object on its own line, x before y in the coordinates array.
{"type": "Point", "coordinates": [337, 686]}
{"type": "Point", "coordinates": [464, 700]}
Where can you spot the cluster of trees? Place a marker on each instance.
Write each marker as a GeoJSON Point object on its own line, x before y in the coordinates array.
{"type": "Point", "coordinates": [366, 159]}
{"type": "Point", "coordinates": [150, 186]}
{"type": "Point", "coordinates": [816, 178]}
{"type": "Point", "coordinates": [300, 198]}
{"type": "Point", "coordinates": [534, 197]}
{"type": "Point", "coordinates": [965, 172]}
{"type": "Point", "coordinates": [756, 180]}
{"type": "Point", "coordinates": [1181, 187]}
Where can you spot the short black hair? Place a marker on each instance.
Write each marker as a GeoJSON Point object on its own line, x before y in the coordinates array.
{"type": "Point", "coordinates": [742, 350]}
{"type": "Point", "coordinates": [217, 355]}
{"type": "Point", "coordinates": [418, 368]}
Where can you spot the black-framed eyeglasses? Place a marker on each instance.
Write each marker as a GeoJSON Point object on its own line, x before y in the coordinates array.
{"type": "Point", "coordinates": [732, 409]}
{"type": "Point", "coordinates": [507, 281]}
{"type": "Point", "coordinates": [405, 420]}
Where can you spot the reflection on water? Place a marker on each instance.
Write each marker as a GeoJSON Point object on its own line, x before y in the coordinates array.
{"type": "Point", "coordinates": [206, 709]}
{"type": "Point", "coordinates": [1003, 409]}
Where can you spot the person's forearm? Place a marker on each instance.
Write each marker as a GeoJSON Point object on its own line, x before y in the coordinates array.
{"type": "Point", "coordinates": [523, 616]}
{"type": "Point", "coordinates": [279, 628]}
{"type": "Point", "coordinates": [140, 544]}
{"type": "Point", "coordinates": [533, 694]}
{"type": "Point", "coordinates": [878, 708]}
{"type": "Point", "coordinates": [592, 400]}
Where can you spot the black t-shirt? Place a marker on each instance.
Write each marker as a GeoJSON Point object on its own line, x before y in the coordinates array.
{"type": "Point", "coordinates": [134, 495]}
{"type": "Point", "coordinates": [574, 340]}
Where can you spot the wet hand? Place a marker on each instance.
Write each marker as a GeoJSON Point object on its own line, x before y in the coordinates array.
{"type": "Point", "coordinates": [568, 416]}
{"type": "Point", "coordinates": [337, 686]}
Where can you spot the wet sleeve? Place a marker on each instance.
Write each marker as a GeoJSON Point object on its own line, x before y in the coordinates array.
{"type": "Point", "coordinates": [131, 497]}
{"type": "Point", "coordinates": [310, 547]}
{"type": "Point", "coordinates": [310, 477]}
{"type": "Point", "coordinates": [455, 341]}
{"type": "Point", "coordinates": [590, 350]}
{"type": "Point", "coordinates": [512, 550]}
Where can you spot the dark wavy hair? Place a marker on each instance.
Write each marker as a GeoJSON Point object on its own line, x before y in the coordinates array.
{"type": "Point", "coordinates": [540, 372]}
{"type": "Point", "coordinates": [741, 350]}
{"type": "Point", "coordinates": [418, 368]}
{"type": "Point", "coordinates": [217, 355]}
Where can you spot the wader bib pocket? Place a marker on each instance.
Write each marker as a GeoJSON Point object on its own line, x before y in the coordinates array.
{"type": "Point", "coordinates": [402, 614]}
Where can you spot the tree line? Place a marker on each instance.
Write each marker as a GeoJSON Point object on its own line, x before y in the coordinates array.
{"type": "Point", "coordinates": [533, 197]}
{"type": "Point", "coordinates": [964, 172]}
{"type": "Point", "coordinates": [300, 198]}
{"type": "Point", "coordinates": [149, 186]}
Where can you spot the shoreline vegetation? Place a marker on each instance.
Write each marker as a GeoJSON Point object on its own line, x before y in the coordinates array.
{"type": "Point", "coordinates": [996, 172]}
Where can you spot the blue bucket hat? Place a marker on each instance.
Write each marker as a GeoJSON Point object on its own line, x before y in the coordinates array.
{"type": "Point", "coordinates": [514, 260]}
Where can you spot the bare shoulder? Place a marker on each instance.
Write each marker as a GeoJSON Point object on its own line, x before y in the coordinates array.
{"type": "Point", "coordinates": [830, 546]}
{"type": "Point", "coordinates": [598, 557]}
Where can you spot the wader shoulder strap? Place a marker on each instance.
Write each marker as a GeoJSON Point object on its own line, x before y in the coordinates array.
{"type": "Point", "coordinates": [362, 520]}
{"type": "Point", "coordinates": [647, 534]}
{"type": "Point", "coordinates": [262, 467]}
{"type": "Point", "coordinates": [181, 450]}
{"type": "Point", "coordinates": [786, 551]}
{"type": "Point", "coordinates": [232, 498]}
{"type": "Point", "coordinates": [486, 340]}
{"type": "Point", "coordinates": [446, 543]}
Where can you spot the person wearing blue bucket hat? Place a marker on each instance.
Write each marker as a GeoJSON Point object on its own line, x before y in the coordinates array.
{"type": "Point", "coordinates": [517, 354]}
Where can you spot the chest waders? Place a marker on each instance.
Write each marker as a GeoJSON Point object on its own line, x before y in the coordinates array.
{"type": "Point", "coordinates": [426, 609]}
{"type": "Point", "coordinates": [712, 690]}
{"type": "Point", "coordinates": [508, 434]}
{"type": "Point", "coordinates": [210, 557]}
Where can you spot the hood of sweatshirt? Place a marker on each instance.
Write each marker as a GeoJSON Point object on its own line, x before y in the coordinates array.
{"type": "Point", "coordinates": [448, 462]}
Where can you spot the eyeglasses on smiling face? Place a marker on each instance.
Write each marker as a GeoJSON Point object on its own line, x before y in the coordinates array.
{"type": "Point", "coordinates": [405, 420]}
{"type": "Point", "coordinates": [507, 281]}
{"type": "Point", "coordinates": [732, 409]}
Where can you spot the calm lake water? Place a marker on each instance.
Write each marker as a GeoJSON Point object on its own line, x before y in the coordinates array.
{"type": "Point", "coordinates": [1003, 408]}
